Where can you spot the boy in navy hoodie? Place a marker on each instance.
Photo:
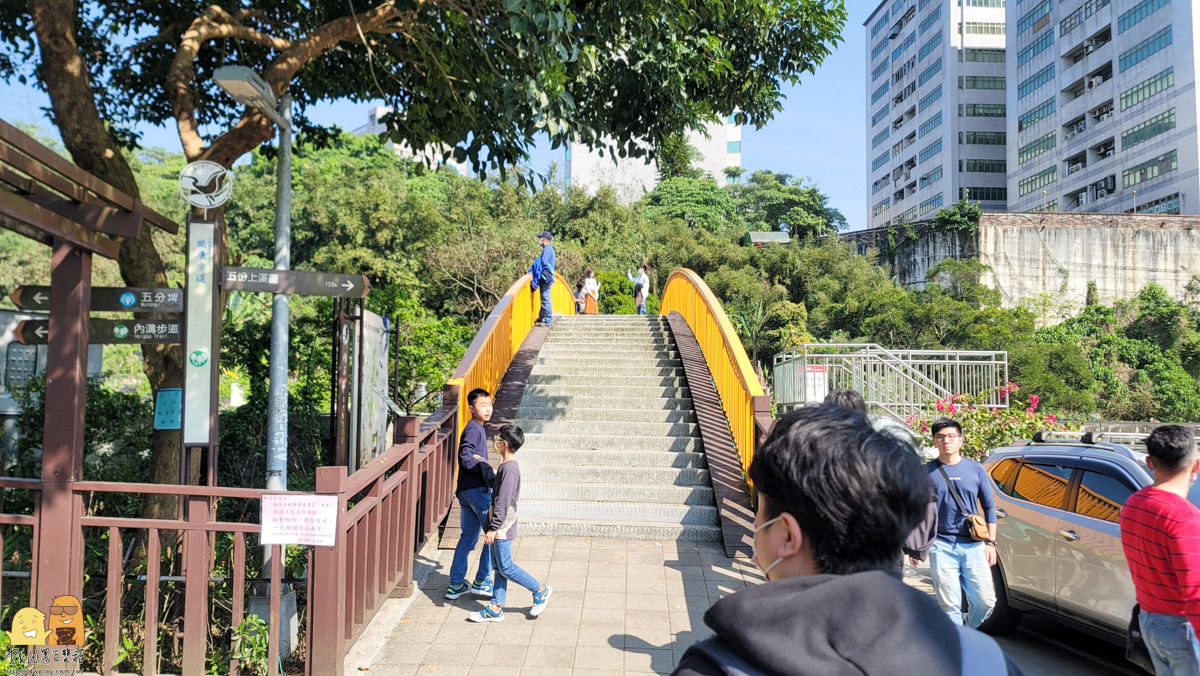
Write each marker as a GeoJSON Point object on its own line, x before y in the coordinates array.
{"type": "Point", "coordinates": [474, 494]}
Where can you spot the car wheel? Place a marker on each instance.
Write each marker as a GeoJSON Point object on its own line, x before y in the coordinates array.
{"type": "Point", "coordinates": [1004, 619]}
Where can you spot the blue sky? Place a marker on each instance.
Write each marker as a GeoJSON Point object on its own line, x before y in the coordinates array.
{"type": "Point", "coordinates": [818, 134]}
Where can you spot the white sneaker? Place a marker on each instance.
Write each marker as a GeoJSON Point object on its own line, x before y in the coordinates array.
{"type": "Point", "coordinates": [540, 599]}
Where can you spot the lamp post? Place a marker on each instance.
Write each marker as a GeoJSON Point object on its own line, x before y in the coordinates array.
{"type": "Point", "coordinates": [246, 87]}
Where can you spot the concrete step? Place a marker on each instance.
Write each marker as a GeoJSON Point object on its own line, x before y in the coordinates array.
{"type": "Point", "coordinates": [615, 493]}
{"type": "Point", "coordinates": [598, 427]}
{"type": "Point", "coordinates": [662, 476]}
{"type": "Point", "coordinates": [615, 344]}
{"type": "Point", "coordinates": [561, 401]}
{"type": "Point", "coordinates": [570, 381]}
{"type": "Point", "coordinates": [569, 359]}
{"type": "Point", "coordinates": [612, 458]}
{"type": "Point", "coordinates": [604, 352]}
{"type": "Point", "coordinates": [595, 368]}
{"type": "Point", "coordinates": [618, 512]}
{"type": "Point", "coordinates": [627, 531]}
{"type": "Point", "coordinates": [612, 442]}
{"type": "Point", "coordinates": [582, 415]}
{"type": "Point", "coordinates": [617, 337]}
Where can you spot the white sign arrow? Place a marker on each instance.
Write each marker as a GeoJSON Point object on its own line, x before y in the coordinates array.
{"type": "Point", "coordinates": [349, 286]}
{"type": "Point", "coordinates": [39, 298]}
{"type": "Point", "coordinates": [40, 332]}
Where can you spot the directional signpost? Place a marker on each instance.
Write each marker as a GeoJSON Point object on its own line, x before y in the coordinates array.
{"type": "Point", "coordinates": [107, 299]}
{"type": "Point", "coordinates": [108, 331]}
{"type": "Point", "coordinates": [295, 282]}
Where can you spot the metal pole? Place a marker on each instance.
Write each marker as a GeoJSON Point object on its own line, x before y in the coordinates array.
{"type": "Point", "coordinates": [277, 413]}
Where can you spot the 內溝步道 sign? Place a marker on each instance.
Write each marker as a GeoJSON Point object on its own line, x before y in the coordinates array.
{"type": "Point", "coordinates": [108, 331]}
{"type": "Point", "coordinates": [295, 282]}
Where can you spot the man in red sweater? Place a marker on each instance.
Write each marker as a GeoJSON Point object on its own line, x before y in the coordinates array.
{"type": "Point", "coordinates": [1160, 531]}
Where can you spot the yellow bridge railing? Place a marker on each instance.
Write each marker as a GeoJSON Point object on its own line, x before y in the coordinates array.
{"type": "Point", "coordinates": [746, 406]}
{"type": "Point", "coordinates": [497, 342]}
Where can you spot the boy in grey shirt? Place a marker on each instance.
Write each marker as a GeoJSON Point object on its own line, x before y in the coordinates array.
{"type": "Point", "coordinates": [502, 531]}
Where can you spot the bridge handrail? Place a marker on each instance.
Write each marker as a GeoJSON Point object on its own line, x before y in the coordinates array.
{"type": "Point", "coordinates": [491, 352]}
{"type": "Point", "coordinates": [747, 408]}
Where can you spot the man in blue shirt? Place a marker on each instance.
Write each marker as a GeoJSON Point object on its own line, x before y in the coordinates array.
{"type": "Point", "coordinates": [957, 561]}
{"type": "Point", "coordinates": [546, 318]}
{"type": "Point", "coordinates": [641, 288]}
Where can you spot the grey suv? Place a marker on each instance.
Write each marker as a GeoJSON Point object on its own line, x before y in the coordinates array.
{"type": "Point", "coordinates": [1057, 504]}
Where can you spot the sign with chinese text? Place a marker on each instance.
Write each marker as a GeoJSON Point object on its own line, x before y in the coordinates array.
{"type": "Point", "coordinates": [168, 409]}
{"type": "Point", "coordinates": [298, 520]}
{"type": "Point", "coordinates": [295, 282]}
{"type": "Point", "coordinates": [816, 383]}
{"type": "Point", "coordinates": [372, 409]}
{"type": "Point", "coordinates": [108, 331]}
{"type": "Point", "coordinates": [107, 299]}
{"type": "Point", "coordinates": [201, 294]}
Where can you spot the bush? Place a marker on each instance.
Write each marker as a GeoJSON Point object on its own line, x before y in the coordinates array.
{"type": "Point", "coordinates": [616, 294]}
{"type": "Point", "coordinates": [987, 428]}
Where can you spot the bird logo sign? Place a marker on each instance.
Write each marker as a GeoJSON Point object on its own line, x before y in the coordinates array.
{"type": "Point", "coordinates": [205, 184]}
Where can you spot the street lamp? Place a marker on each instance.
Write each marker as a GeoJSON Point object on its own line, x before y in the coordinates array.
{"type": "Point", "coordinates": [246, 87]}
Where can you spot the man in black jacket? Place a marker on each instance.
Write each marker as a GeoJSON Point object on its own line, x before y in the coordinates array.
{"type": "Point", "coordinates": [835, 501]}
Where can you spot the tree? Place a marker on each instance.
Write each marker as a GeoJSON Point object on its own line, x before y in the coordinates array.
{"type": "Point", "coordinates": [699, 202]}
{"type": "Point", "coordinates": [677, 158]}
{"type": "Point", "coordinates": [962, 216]}
{"type": "Point", "coordinates": [779, 202]}
{"type": "Point", "coordinates": [428, 349]}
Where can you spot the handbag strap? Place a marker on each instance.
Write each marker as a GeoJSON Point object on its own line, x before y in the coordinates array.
{"type": "Point", "coordinates": [953, 490]}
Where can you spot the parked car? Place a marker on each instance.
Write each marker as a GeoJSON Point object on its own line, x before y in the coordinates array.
{"type": "Point", "coordinates": [1057, 503]}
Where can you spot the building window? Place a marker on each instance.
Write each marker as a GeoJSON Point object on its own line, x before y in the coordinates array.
{"type": "Point", "coordinates": [881, 207]}
{"type": "Point", "coordinates": [1050, 206]}
{"type": "Point", "coordinates": [1080, 15]}
{"type": "Point", "coordinates": [931, 204]}
{"type": "Point", "coordinates": [1149, 169]}
{"type": "Point", "coordinates": [928, 47]}
{"type": "Point", "coordinates": [930, 150]}
{"type": "Point", "coordinates": [1039, 112]}
{"type": "Point", "coordinates": [981, 55]}
{"type": "Point", "coordinates": [922, 5]}
{"type": "Point", "coordinates": [733, 147]}
{"type": "Point", "coordinates": [881, 183]}
{"type": "Point", "coordinates": [1142, 91]}
{"type": "Point", "coordinates": [1148, 129]}
{"type": "Point", "coordinates": [980, 82]}
{"type": "Point", "coordinates": [732, 119]}
{"type": "Point", "coordinates": [1035, 15]}
{"type": "Point", "coordinates": [880, 70]}
{"type": "Point", "coordinates": [880, 137]}
{"type": "Point", "coordinates": [983, 3]}
{"type": "Point", "coordinates": [984, 28]}
{"type": "Point", "coordinates": [984, 194]}
{"type": "Point", "coordinates": [929, 99]}
{"type": "Point", "coordinates": [1140, 11]}
{"type": "Point", "coordinates": [1037, 147]}
{"type": "Point", "coordinates": [568, 153]}
{"type": "Point", "coordinates": [928, 73]}
{"type": "Point", "coordinates": [930, 178]}
{"type": "Point", "coordinates": [981, 110]}
{"type": "Point", "coordinates": [1034, 81]}
{"type": "Point", "coordinates": [879, 49]}
{"type": "Point", "coordinates": [929, 125]}
{"type": "Point", "coordinates": [1146, 48]}
{"type": "Point", "coordinates": [1037, 181]}
{"type": "Point", "coordinates": [897, 6]}
{"type": "Point", "coordinates": [1034, 48]}
{"type": "Point", "coordinates": [982, 138]}
{"type": "Point", "coordinates": [983, 166]}
{"type": "Point", "coordinates": [880, 114]}
{"type": "Point", "coordinates": [1162, 205]}
{"type": "Point", "coordinates": [908, 42]}
{"type": "Point", "coordinates": [567, 181]}
{"type": "Point", "coordinates": [879, 93]}
{"type": "Point", "coordinates": [879, 25]}
{"type": "Point", "coordinates": [929, 21]}
{"type": "Point", "coordinates": [880, 161]}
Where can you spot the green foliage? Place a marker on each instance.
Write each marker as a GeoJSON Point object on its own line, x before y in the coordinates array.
{"type": "Point", "coordinates": [698, 202]}
{"type": "Point", "coordinates": [962, 216]}
{"type": "Point", "coordinates": [1093, 296]}
{"type": "Point", "coordinates": [778, 202]}
{"type": "Point", "coordinates": [427, 352]}
{"type": "Point", "coordinates": [987, 428]}
{"type": "Point", "coordinates": [616, 294]}
{"type": "Point", "coordinates": [677, 158]}
{"type": "Point", "coordinates": [250, 645]}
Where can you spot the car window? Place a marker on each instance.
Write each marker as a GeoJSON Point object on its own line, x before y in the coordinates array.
{"type": "Point", "coordinates": [1101, 496]}
{"type": "Point", "coordinates": [1004, 474]}
{"type": "Point", "coordinates": [1045, 484]}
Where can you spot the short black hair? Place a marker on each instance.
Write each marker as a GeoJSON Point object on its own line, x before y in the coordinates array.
{"type": "Point", "coordinates": [476, 394]}
{"type": "Point", "coordinates": [943, 423]}
{"type": "Point", "coordinates": [856, 493]}
{"type": "Point", "coordinates": [511, 435]}
{"type": "Point", "coordinates": [1173, 447]}
{"type": "Point", "coordinates": [846, 398]}
{"type": "Point", "coordinates": [578, 286]}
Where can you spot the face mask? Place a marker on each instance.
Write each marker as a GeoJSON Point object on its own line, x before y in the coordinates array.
{"type": "Point", "coordinates": [754, 550]}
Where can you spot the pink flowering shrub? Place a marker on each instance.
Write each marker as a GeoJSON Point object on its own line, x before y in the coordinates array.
{"type": "Point", "coordinates": [987, 428]}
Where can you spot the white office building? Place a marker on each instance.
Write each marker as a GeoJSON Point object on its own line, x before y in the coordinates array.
{"type": "Point", "coordinates": [1104, 106]}
{"type": "Point", "coordinates": [935, 107]}
{"type": "Point", "coordinates": [633, 177]}
{"type": "Point", "coordinates": [431, 156]}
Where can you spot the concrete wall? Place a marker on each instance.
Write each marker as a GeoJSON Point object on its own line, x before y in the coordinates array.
{"type": "Point", "coordinates": [1057, 253]}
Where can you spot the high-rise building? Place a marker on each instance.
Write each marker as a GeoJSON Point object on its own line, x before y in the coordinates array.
{"type": "Point", "coordinates": [431, 156]}
{"type": "Point", "coordinates": [1103, 101]}
{"type": "Point", "coordinates": [631, 177]}
{"type": "Point", "coordinates": [935, 107]}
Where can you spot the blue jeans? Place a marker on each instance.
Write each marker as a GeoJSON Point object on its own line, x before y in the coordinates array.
{"type": "Point", "coordinates": [641, 309]}
{"type": "Point", "coordinates": [1172, 643]}
{"type": "Point", "coordinates": [475, 503]}
{"type": "Point", "coordinates": [958, 566]}
{"type": "Point", "coordinates": [507, 570]}
{"type": "Point", "coordinates": [547, 315]}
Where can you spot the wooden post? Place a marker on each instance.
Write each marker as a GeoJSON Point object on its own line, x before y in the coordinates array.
{"type": "Point", "coordinates": [195, 593]}
{"type": "Point", "coordinates": [328, 603]}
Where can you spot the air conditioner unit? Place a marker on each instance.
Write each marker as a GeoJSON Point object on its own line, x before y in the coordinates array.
{"type": "Point", "coordinates": [1104, 116]}
{"type": "Point", "coordinates": [1080, 127]}
{"type": "Point", "coordinates": [1101, 192]}
{"type": "Point", "coordinates": [1095, 82]}
{"type": "Point", "coordinates": [1074, 167]}
{"type": "Point", "coordinates": [1108, 153]}
{"type": "Point", "coordinates": [1083, 198]}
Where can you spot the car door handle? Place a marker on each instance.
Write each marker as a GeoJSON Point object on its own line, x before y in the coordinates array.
{"type": "Point", "coordinates": [1001, 513]}
{"type": "Point", "coordinates": [1069, 535]}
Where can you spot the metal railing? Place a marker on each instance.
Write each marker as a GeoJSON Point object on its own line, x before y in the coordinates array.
{"type": "Point", "coordinates": [746, 405]}
{"type": "Point", "coordinates": [899, 382]}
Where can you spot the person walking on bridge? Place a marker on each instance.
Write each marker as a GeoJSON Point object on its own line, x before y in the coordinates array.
{"type": "Point", "coordinates": [641, 288]}
{"type": "Point", "coordinates": [542, 272]}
